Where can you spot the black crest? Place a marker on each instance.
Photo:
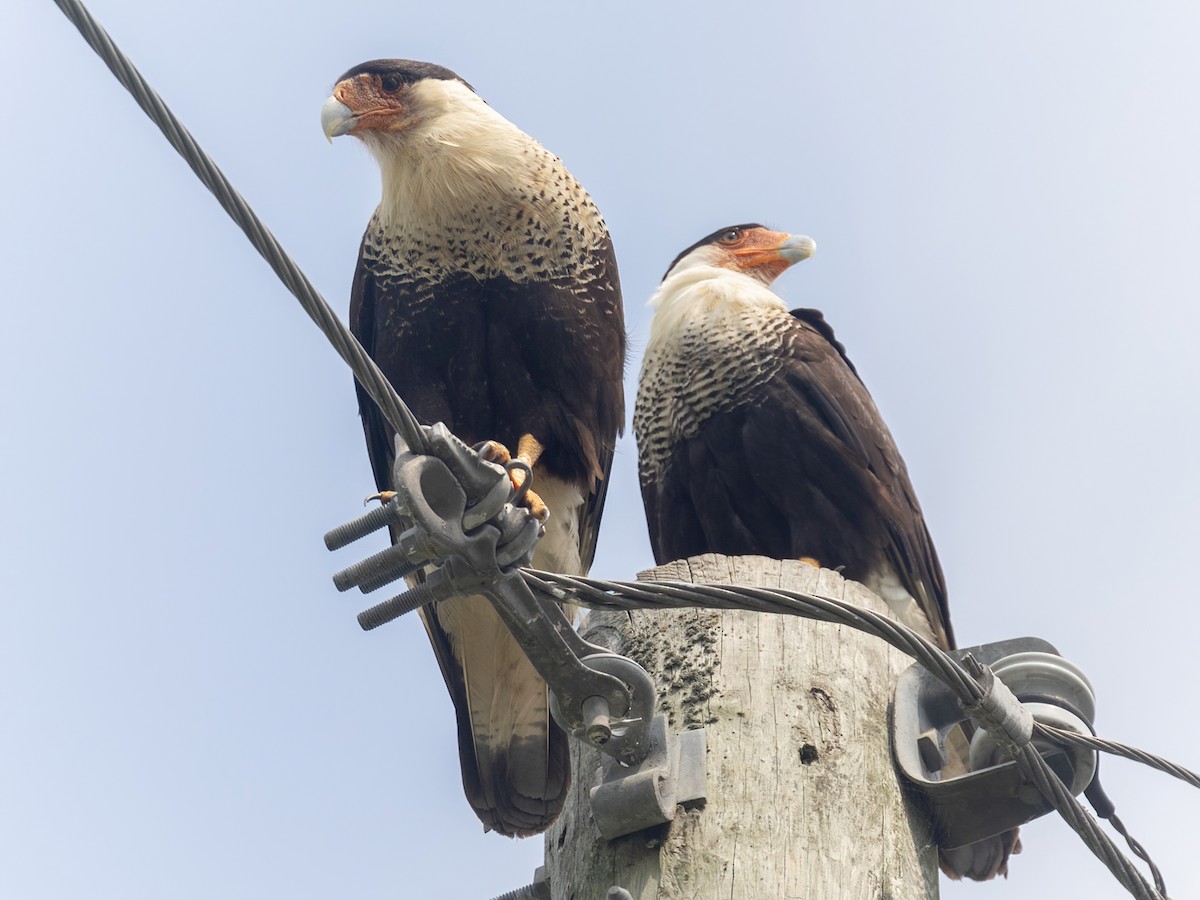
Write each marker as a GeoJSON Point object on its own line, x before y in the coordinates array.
{"type": "Point", "coordinates": [407, 70]}
{"type": "Point", "coordinates": [708, 239]}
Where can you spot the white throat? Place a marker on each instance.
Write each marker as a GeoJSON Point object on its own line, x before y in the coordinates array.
{"type": "Point", "coordinates": [696, 290]}
{"type": "Point", "coordinates": [457, 155]}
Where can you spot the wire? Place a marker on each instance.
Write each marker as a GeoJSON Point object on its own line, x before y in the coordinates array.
{"type": "Point", "coordinates": [368, 374]}
{"type": "Point", "coordinates": [597, 593]}
{"type": "Point", "coordinates": [591, 592]}
{"type": "Point", "coordinates": [1140, 852]}
{"type": "Point", "coordinates": [1124, 750]}
{"type": "Point", "coordinates": [660, 595]}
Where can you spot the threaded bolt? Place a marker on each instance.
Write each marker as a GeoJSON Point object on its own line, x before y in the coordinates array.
{"type": "Point", "coordinates": [521, 893]}
{"type": "Point", "coordinates": [414, 598]}
{"type": "Point", "coordinates": [374, 566]}
{"type": "Point", "coordinates": [597, 724]}
{"type": "Point", "coordinates": [375, 582]}
{"type": "Point", "coordinates": [362, 526]}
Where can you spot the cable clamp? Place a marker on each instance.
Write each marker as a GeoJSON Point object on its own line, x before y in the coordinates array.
{"type": "Point", "coordinates": [456, 517]}
{"type": "Point", "coordinates": [961, 756]}
{"type": "Point", "coordinates": [998, 711]}
{"type": "Point", "coordinates": [673, 773]}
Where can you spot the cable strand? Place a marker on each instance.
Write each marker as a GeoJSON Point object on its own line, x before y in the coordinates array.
{"type": "Point", "coordinates": [1063, 736]}
{"type": "Point", "coordinates": [1140, 852]}
{"type": "Point", "coordinates": [591, 592]}
{"type": "Point", "coordinates": [597, 593]}
{"type": "Point", "coordinates": [368, 374]}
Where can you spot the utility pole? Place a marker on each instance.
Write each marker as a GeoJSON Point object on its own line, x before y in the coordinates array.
{"type": "Point", "coordinates": [803, 799]}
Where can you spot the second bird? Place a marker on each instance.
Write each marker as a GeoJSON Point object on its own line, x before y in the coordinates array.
{"type": "Point", "coordinates": [487, 292]}
{"type": "Point", "coordinates": [756, 436]}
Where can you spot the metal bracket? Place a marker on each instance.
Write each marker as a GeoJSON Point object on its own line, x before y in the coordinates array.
{"type": "Point", "coordinates": [993, 796]}
{"type": "Point", "coordinates": [457, 514]}
{"type": "Point", "coordinates": [673, 772]}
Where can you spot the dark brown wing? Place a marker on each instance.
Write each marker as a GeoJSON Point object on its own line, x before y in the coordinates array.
{"type": "Point", "coordinates": [801, 466]}
{"type": "Point", "coordinates": [602, 296]}
{"type": "Point", "coordinates": [496, 360]}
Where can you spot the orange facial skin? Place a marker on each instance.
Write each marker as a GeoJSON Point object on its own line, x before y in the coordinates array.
{"type": "Point", "coordinates": [755, 251]}
{"type": "Point", "coordinates": [375, 108]}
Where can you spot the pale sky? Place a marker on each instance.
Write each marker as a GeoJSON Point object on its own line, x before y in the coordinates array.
{"type": "Point", "coordinates": [1006, 203]}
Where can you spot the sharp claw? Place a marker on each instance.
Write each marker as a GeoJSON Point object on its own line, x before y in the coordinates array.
{"type": "Point", "coordinates": [384, 497]}
{"type": "Point", "coordinates": [493, 451]}
{"type": "Point", "coordinates": [520, 469]}
{"type": "Point", "coordinates": [536, 507]}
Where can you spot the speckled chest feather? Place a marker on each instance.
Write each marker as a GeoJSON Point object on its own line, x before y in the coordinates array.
{"type": "Point", "coordinates": [712, 364]}
{"type": "Point", "coordinates": [527, 222]}
{"type": "Point", "coordinates": [489, 296]}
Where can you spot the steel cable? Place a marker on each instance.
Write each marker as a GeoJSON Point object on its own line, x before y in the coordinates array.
{"type": "Point", "coordinates": [597, 593]}
{"type": "Point", "coordinates": [368, 374]}
{"type": "Point", "coordinates": [1063, 736]}
{"type": "Point", "coordinates": [591, 592]}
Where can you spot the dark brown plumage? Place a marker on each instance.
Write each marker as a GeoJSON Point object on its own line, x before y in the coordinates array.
{"type": "Point", "coordinates": [756, 435]}
{"type": "Point", "coordinates": [487, 292]}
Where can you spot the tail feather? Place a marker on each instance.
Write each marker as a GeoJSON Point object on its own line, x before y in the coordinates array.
{"type": "Point", "coordinates": [982, 860]}
{"type": "Point", "coordinates": [514, 757]}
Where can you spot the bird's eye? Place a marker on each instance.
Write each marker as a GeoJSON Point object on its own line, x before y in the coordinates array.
{"type": "Point", "coordinates": [732, 236]}
{"type": "Point", "coordinates": [390, 83]}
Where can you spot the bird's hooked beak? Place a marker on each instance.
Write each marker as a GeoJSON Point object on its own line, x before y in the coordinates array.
{"type": "Point", "coordinates": [337, 118]}
{"type": "Point", "coordinates": [360, 105]}
{"type": "Point", "coordinates": [767, 254]}
{"type": "Point", "coordinates": [797, 248]}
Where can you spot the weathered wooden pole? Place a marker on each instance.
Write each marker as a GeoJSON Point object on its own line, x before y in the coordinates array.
{"type": "Point", "coordinates": [803, 798]}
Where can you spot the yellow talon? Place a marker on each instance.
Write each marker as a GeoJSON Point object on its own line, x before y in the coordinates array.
{"type": "Point", "coordinates": [529, 451]}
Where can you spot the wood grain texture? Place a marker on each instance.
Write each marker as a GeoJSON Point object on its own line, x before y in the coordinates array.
{"type": "Point", "coordinates": [803, 798]}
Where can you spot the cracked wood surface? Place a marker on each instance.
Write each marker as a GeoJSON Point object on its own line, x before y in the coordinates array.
{"type": "Point", "coordinates": [803, 798]}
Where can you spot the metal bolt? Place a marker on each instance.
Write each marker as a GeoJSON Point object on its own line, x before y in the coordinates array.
{"type": "Point", "coordinates": [539, 890]}
{"type": "Point", "coordinates": [414, 598]}
{"type": "Point", "coordinates": [596, 723]}
{"type": "Point", "coordinates": [385, 578]}
{"type": "Point", "coordinates": [521, 893]}
{"type": "Point", "coordinates": [376, 566]}
{"type": "Point", "coordinates": [362, 526]}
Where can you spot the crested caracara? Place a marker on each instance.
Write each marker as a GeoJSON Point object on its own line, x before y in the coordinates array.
{"type": "Point", "coordinates": [487, 292]}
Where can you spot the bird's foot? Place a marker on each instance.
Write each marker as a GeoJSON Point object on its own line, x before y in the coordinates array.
{"type": "Point", "coordinates": [529, 450]}
{"type": "Point", "coordinates": [384, 497]}
{"type": "Point", "coordinates": [520, 469]}
{"type": "Point", "coordinates": [808, 560]}
{"type": "Point", "coordinates": [532, 502]}
{"type": "Point", "coordinates": [493, 452]}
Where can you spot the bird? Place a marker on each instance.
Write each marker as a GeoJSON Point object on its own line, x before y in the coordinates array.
{"type": "Point", "coordinates": [756, 436]}
{"type": "Point", "coordinates": [487, 291]}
